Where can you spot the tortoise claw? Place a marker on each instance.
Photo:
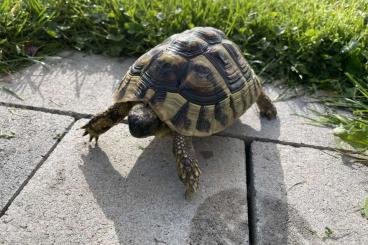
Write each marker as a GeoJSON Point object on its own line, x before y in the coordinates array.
{"type": "Point", "coordinates": [188, 195]}
{"type": "Point", "coordinates": [91, 137]}
{"type": "Point", "coordinates": [269, 114]}
{"type": "Point", "coordinates": [88, 131]}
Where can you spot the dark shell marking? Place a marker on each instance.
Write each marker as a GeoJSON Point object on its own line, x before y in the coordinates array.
{"type": "Point", "coordinates": [220, 114]}
{"type": "Point", "coordinates": [197, 82]}
{"type": "Point", "coordinates": [180, 119]}
{"type": "Point", "coordinates": [233, 106]}
{"type": "Point", "coordinates": [202, 122]}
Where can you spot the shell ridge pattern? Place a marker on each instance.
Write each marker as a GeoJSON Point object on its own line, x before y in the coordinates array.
{"type": "Point", "coordinates": [235, 56]}
{"type": "Point", "coordinates": [234, 81]}
{"type": "Point", "coordinates": [210, 37]}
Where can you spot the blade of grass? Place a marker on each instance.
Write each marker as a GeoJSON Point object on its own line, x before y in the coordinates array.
{"type": "Point", "coordinates": [10, 92]}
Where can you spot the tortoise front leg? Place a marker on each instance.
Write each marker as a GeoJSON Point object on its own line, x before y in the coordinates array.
{"type": "Point", "coordinates": [186, 163]}
{"type": "Point", "coordinates": [102, 122]}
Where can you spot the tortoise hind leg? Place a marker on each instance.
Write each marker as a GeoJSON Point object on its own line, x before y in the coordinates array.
{"type": "Point", "coordinates": [102, 122]}
{"type": "Point", "coordinates": [186, 163]}
{"type": "Point", "coordinates": [266, 107]}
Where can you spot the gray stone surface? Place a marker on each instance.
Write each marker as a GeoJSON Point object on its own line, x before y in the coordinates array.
{"type": "Point", "coordinates": [25, 137]}
{"type": "Point", "coordinates": [301, 191]}
{"type": "Point", "coordinates": [287, 127]}
{"type": "Point", "coordinates": [125, 190]}
{"type": "Point", "coordinates": [74, 82]}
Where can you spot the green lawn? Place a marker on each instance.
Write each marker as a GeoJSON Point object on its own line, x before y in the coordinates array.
{"type": "Point", "coordinates": [321, 44]}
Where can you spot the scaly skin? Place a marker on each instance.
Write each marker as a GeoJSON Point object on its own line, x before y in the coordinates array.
{"type": "Point", "coordinates": [267, 109]}
{"type": "Point", "coordinates": [186, 163]}
{"type": "Point", "coordinates": [102, 122]}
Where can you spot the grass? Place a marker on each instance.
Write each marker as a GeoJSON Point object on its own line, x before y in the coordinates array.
{"type": "Point", "coordinates": [328, 233]}
{"type": "Point", "coordinates": [320, 44]}
{"type": "Point", "coordinates": [364, 210]}
{"type": "Point", "coordinates": [353, 130]}
{"type": "Point", "coordinates": [5, 90]}
{"type": "Point", "coordinates": [6, 135]}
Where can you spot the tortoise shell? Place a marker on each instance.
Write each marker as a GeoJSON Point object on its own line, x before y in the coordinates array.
{"type": "Point", "coordinates": [197, 82]}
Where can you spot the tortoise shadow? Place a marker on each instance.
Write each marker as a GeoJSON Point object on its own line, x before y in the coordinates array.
{"type": "Point", "coordinates": [280, 222]}
{"type": "Point", "coordinates": [273, 202]}
{"type": "Point", "coordinates": [151, 197]}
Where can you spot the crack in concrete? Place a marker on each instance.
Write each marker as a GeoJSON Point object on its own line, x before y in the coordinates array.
{"type": "Point", "coordinates": [30, 176]}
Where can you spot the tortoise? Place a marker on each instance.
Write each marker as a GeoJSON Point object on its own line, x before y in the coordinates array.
{"type": "Point", "coordinates": [195, 83]}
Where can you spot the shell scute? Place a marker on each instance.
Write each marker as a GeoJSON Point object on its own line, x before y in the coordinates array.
{"type": "Point", "coordinates": [223, 62]}
{"type": "Point", "coordinates": [236, 55]}
{"type": "Point", "coordinates": [188, 45]}
{"type": "Point", "coordinates": [144, 61]}
{"type": "Point", "coordinates": [167, 71]}
{"type": "Point", "coordinates": [201, 85]}
{"type": "Point", "coordinates": [210, 35]}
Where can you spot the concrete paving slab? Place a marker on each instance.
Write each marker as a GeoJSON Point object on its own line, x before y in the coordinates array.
{"type": "Point", "coordinates": [25, 137]}
{"type": "Point", "coordinates": [307, 196]}
{"type": "Point", "coordinates": [126, 191]}
{"type": "Point", "coordinates": [73, 82]}
{"type": "Point", "coordinates": [287, 127]}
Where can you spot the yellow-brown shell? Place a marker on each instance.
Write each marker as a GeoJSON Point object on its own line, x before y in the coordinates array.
{"type": "Point", "coordinates": [197, 82]}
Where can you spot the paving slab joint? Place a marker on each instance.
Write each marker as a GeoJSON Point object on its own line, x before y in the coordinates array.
{"type": "Point", "coordinates": [44, 158]}
{"type": "Point", "coordinates": [73, 114]}
{"type": "Point", "coordinates": [252, 219]}
{"type": "Point", "coordinates": [249, 140]}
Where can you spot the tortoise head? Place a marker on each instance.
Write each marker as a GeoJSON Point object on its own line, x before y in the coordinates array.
{"type": "Point", "coordinates": [143, 122]}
